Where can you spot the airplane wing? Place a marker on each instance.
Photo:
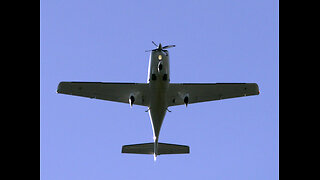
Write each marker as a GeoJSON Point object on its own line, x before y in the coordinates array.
{"type": "Point", "coordinates": [118, 92]}
{"type": "Point", "coordinates": [202, 92]}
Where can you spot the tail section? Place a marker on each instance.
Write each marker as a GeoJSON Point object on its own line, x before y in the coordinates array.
{"type": "Point", "coordinates": [149, 148]}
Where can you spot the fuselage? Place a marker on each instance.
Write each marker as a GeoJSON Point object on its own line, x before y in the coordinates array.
{"type": "Point", "coordinates": [158, 79]}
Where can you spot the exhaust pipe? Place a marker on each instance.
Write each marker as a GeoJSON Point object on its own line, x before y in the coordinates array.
{"type": "Point", "coordinates": [160, 66]}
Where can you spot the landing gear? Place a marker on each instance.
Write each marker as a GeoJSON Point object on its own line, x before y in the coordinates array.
{"type": "Point", "coordinates": [153, 77]}
{"type": "Point", "coordinates": [165, 77]}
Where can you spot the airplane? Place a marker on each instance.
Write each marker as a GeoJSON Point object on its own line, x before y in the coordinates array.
{"type": "Point", "coordinates": [158, 94]}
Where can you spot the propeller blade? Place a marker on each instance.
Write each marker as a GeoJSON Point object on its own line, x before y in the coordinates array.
{"type": "Point", "coordinates": [154, 44]}
{"type": "Point", "coordinates": [150, 50]}
{"type": "Point", "coordinates": [165, 51]}
{"type": "Point", "coordinates": [169, 46]}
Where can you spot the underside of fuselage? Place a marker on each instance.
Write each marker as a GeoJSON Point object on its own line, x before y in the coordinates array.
{"type": "Point", "coordinates": [158, 79]}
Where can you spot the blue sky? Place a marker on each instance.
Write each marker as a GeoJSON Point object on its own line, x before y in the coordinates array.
{"type": "Point", "coordinates": [216, 41]}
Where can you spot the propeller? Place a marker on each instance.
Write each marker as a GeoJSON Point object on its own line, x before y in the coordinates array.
{"type": "Point", "coordinates": [154, 43]}
{"type": "Point", "coordinates": [160, 48]}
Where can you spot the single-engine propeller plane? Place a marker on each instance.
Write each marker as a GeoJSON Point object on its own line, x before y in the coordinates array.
{"type": "Point", "coordinates": [158, 94]}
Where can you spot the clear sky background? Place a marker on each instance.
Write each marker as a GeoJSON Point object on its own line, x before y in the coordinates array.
{"type": "Point", "coordinates": [216, 41]}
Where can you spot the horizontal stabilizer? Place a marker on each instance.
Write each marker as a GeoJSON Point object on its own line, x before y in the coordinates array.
{"type": "Point", "coordinates": [145, 148]}
{"type": "Point", "coordinates": [148, 148]}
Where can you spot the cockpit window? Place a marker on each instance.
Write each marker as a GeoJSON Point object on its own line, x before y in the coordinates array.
{"type": "Point", "coordinates": [160, 57]}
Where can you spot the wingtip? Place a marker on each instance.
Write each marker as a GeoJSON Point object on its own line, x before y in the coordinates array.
{"type": "Point", "coordinates": [257, 87]}
{"type": "Point", "coordinates": [59, 88]}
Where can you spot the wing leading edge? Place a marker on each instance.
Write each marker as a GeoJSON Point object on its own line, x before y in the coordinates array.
{"type": "Point", "coordinates": [117, 92]}
{"type": "Point", "coordinates": [202, 92]}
